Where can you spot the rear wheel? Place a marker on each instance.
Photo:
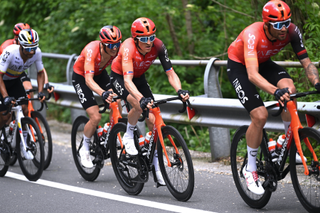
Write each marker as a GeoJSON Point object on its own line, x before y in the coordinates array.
{"type": "Point", "coordinates": [89, 174]}
{"type": "Point", "coordinates": [4, 156]}
{"type": "Point", "coordinates": [32, 169]}
{"type": "Point", "coordinates": [46, 137]}
{"type": "Point", "coordinates": [124, 167]}
{"type": "Point", "coordinates": [238, 155]}
{"type": "Point", "coordinates": [307, 187]}
{"type": "Point", "coordinates": [179, 177]}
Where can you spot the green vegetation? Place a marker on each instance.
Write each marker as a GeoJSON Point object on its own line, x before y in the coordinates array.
{"type": "Point", "coordinates": [190, 29]}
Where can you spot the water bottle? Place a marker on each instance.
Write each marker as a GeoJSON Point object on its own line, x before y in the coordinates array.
{"type": "Point", "coordinates": [280, 141]}
{"type": "Point", "coordinates": [106, 130]}
{"type": "Point", "coordinates": [272, 149]}
{"type": "Point", "coordinates": [100, 135]}
{"type": "Point", "coordinates": [148, 136]}
{"type": "Point", "coordinates": [11, 126]}
{"type": "Point", "coordinates": [141, 141]}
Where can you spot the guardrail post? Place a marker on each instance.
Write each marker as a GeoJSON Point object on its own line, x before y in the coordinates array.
{"type": "Point", "coordinates": [219, 137]}
{"type": "Point", "coordinates": [74, 112]}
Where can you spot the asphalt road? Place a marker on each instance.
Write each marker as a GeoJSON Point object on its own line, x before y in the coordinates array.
{"type": "Point", "coordinates": [62, 189]}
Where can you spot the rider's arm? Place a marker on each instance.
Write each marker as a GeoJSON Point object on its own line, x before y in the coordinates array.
{"type": "Point", "coordinates": [131, 87]}
{"type": "Point", "coordinates": [40, 80]}
{"type": "Point", "coordinates": [311, 70]}
{"type": "Point", "coordinates": [3, 89]}
{"type": "Point", "coordinates": [91, 83]}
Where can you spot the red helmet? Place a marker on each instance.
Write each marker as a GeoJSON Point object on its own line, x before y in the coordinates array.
{"type": "Point", "coordinates": [275, 10]}
{"type": "Point", "coordinates": [142, 27]}
{"type": "Point", "coordinates": [20, 26]}
{"type": "Point", "coordinates": [110, 34]}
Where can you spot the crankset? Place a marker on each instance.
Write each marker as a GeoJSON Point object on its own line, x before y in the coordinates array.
{"type": "Point", "coordinates": [5, 152]}
{"type": "Point", "coordinates": [99, 158]}
{"type": "Point", "coordinates": [271, 179]}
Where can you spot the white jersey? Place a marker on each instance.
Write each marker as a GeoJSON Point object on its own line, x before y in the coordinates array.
{"type": "Point", "coordinates": [12, 65]}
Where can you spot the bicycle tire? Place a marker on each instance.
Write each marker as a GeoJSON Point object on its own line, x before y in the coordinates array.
{"type": "Point", "coordinates": [46, 137]}
{"type": "Point", "coordinates": [238, 156]}
{"type": "Point", "coordinates": [123, 172]}
{"type": "Point", "coordinates": [89, 174]}
{"type": "Point", "coordinates": [306, 187]}
{"type": "Point", "coordinates": [3, 157]}
{"type": "Point", "coordinates": [32, 169]}
{"type": "Point", "coordinates": [179, 178]}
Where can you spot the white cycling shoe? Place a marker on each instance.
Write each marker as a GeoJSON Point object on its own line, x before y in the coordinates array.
{"type": "Point", "coordinates": [85, 158]}
{"type": "Point", "coordinates": [128, 142]}
{"type": "Point", "coordinates": [253, 182]}
{"type": "Point", "coordinates": [27, 154]}
{"type": "Point", "coordinates": [160, 178]}
{"type": "Point", "coordinates": [298, 158]}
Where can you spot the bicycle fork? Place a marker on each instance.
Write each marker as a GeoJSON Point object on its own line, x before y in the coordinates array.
{"type": "Point", "coordinates": [296, 125]}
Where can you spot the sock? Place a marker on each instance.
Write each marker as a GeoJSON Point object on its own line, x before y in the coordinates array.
{"type": "Point", "coordinates": [86, 142]}
{"type": "Point", "coordinates": [286, 126]}
{"type": "Point", "coordinates": [155, 161]}
{"type": "Point", "coordinates": [130, 129]}
{"type": "Point", "coordinates": [252, 156]}
{"type": "Point", "coordinates": [25, 135]}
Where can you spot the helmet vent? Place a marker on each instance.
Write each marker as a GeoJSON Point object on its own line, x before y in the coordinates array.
{"type": "Point", "coordinates": [272, 17]}
{"type": "Point", "coordinates": [23, 37]}
{"type": "Point", "coordinates": [282, 13]}
{"type": "Point", "coordinates": [106, 35]}
{"type": "Point", "coordinates": [139, 32]}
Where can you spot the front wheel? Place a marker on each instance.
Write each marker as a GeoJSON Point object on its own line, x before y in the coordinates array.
{"type": "Point", "coordinates": [124, 167]}
{"type": "Point", "coordinates": [89, 174]}
{"type": "Point", "coordinates": [179, 177]}
{"type": "Point", "coordinates": [46, 137]}
{"type": "Point", "coordinates": [32, 169]}
{"type": "Point", "coordinates": [306, 187]}
{"type": "Point", "coordinates": [239, 158]}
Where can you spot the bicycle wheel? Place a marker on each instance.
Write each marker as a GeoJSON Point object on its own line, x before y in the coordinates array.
{"type": "Point", "coordinates": [124, 167]}
{"type": "Point", "coordinates": [306, 187]}
{"type": "Point", "coordinates": [179, 177]}
{"type": "Point", "coordinates": [238, 155]}
{"type": "Point", "coordinates": [46, 137]}
{"type": "Point", "coordinates": [32, 169]}
{"type": "Point", "coordinates": [89, 174]}
{"type": "Point", "coordinates": [4, 156]}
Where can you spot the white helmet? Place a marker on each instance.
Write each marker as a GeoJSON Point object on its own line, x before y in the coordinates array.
{"type": "Point", "coordinates": [28, 37]}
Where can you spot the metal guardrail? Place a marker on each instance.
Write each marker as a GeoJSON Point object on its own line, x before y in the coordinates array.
{"type": "Point", "coordinates": [213, 111]}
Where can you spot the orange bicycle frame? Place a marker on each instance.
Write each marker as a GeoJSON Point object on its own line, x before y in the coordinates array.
{"type": "Point", "coordinates": [296, 125]}
{"type": "Point", "coordinates": [31, 109]}
{"type": "Point", "coordinates": [115, 116]}
{"type": "Point", "coordinates": [157, 126]}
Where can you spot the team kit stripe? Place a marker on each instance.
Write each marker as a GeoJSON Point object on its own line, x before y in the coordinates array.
{"type": "Point", "coordinates": [171, 69]}
{"type": "Point", "coordinates": [128, 73]}
{"type": "Point", "coordinates": [302, 52]}
{"type": "Point", "coordinates": [89, 72]}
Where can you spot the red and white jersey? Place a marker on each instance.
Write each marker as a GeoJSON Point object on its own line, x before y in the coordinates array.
{"type": "Point", "coordinates": [252, 46]}
{"type": "Point", "coordinates": [12, 65]}
{"type": "Point", "coordinates": [90, 59]}
{"type": "Point", "coordinates": [131, 62]}
{"type": "Point", "coordinates": [6, 43]}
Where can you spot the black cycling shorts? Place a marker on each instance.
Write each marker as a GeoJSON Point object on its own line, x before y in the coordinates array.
{"type": "Point", "coordinates": [24, 77]}
{"type": "Point", "coordinates": [118, 87]}
{"type": "Point", "coordinates": [14, 89]}
{"type": "Point", "coordinates": [85, 94]}
{"type": "Point", "coordinates": [247, 91]}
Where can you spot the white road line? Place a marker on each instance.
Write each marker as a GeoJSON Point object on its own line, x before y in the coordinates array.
{"type": "Point", "coordinates": [119, 198]}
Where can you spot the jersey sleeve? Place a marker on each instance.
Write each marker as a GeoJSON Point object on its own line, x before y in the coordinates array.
{"type": "Point", "coordinates": [250, 44]}
{"type": "Point", "coordinates": [38, 62]}
{"type": "Point", "coordinates": [127, 59]}
{"type": "Point", "coordinates": [5, 59]}
{"type": "Point", "coordinates": [90, 53]}
{"type": "Point", "coordinates": [296, 42]}
{"type": "Point", "coordinates": [163, 55]}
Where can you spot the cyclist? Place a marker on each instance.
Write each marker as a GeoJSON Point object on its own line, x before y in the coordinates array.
{"type": "Point", "coordinates": [24, 78]}
{"type": "Point", "coordinates": [249, 66]}
{"type": "Point", "coordinates": [128, 79]}
{"type": "Point", "coordinates": [90, 75]}
{"type": "Point", "coordinates": [13, 61]}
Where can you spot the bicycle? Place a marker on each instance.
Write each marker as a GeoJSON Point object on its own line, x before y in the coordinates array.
{"type": "Point", "coordinates": [173, 154]}
{"type": "Point", "coordinates": [33, 168]}
{"type": "Point", "coordinates": [100, 151]}
{"type": "Point", "coordinates": [44, 130]}
{"type": "Point", "coordinates": [305, 177]}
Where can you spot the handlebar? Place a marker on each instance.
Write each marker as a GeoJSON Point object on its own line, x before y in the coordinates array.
{"type": "Point", "coordinates": [145, 113]}
{"type": "Point", "coordinates": [105, 105]}
{"type": "Point", "coordinates": [292, 96]}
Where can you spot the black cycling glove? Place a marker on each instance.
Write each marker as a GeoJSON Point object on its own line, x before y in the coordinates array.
{"type": "Point", "coordinates": [280, 92]}
{"type": "Point", "coordinates": [47, 86]}
{"type": "Point", "coordinates": [182, 92]}
{"type": "Point", "coordinates": [7, 100]}
{"type": "Point", "coordinates": [105, 94]}
{"type": "Point", "coordinates": [144, 102]}
{"type": "Point", "coordinates": [317, 86]}
{"type": "Point", "coordinates": [41, 95]}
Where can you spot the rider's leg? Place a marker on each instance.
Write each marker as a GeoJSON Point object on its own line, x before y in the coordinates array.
{"type": "Point", "coordinates": [90, 127]}
{"type": "Point", "coordinates": [254, 135]}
